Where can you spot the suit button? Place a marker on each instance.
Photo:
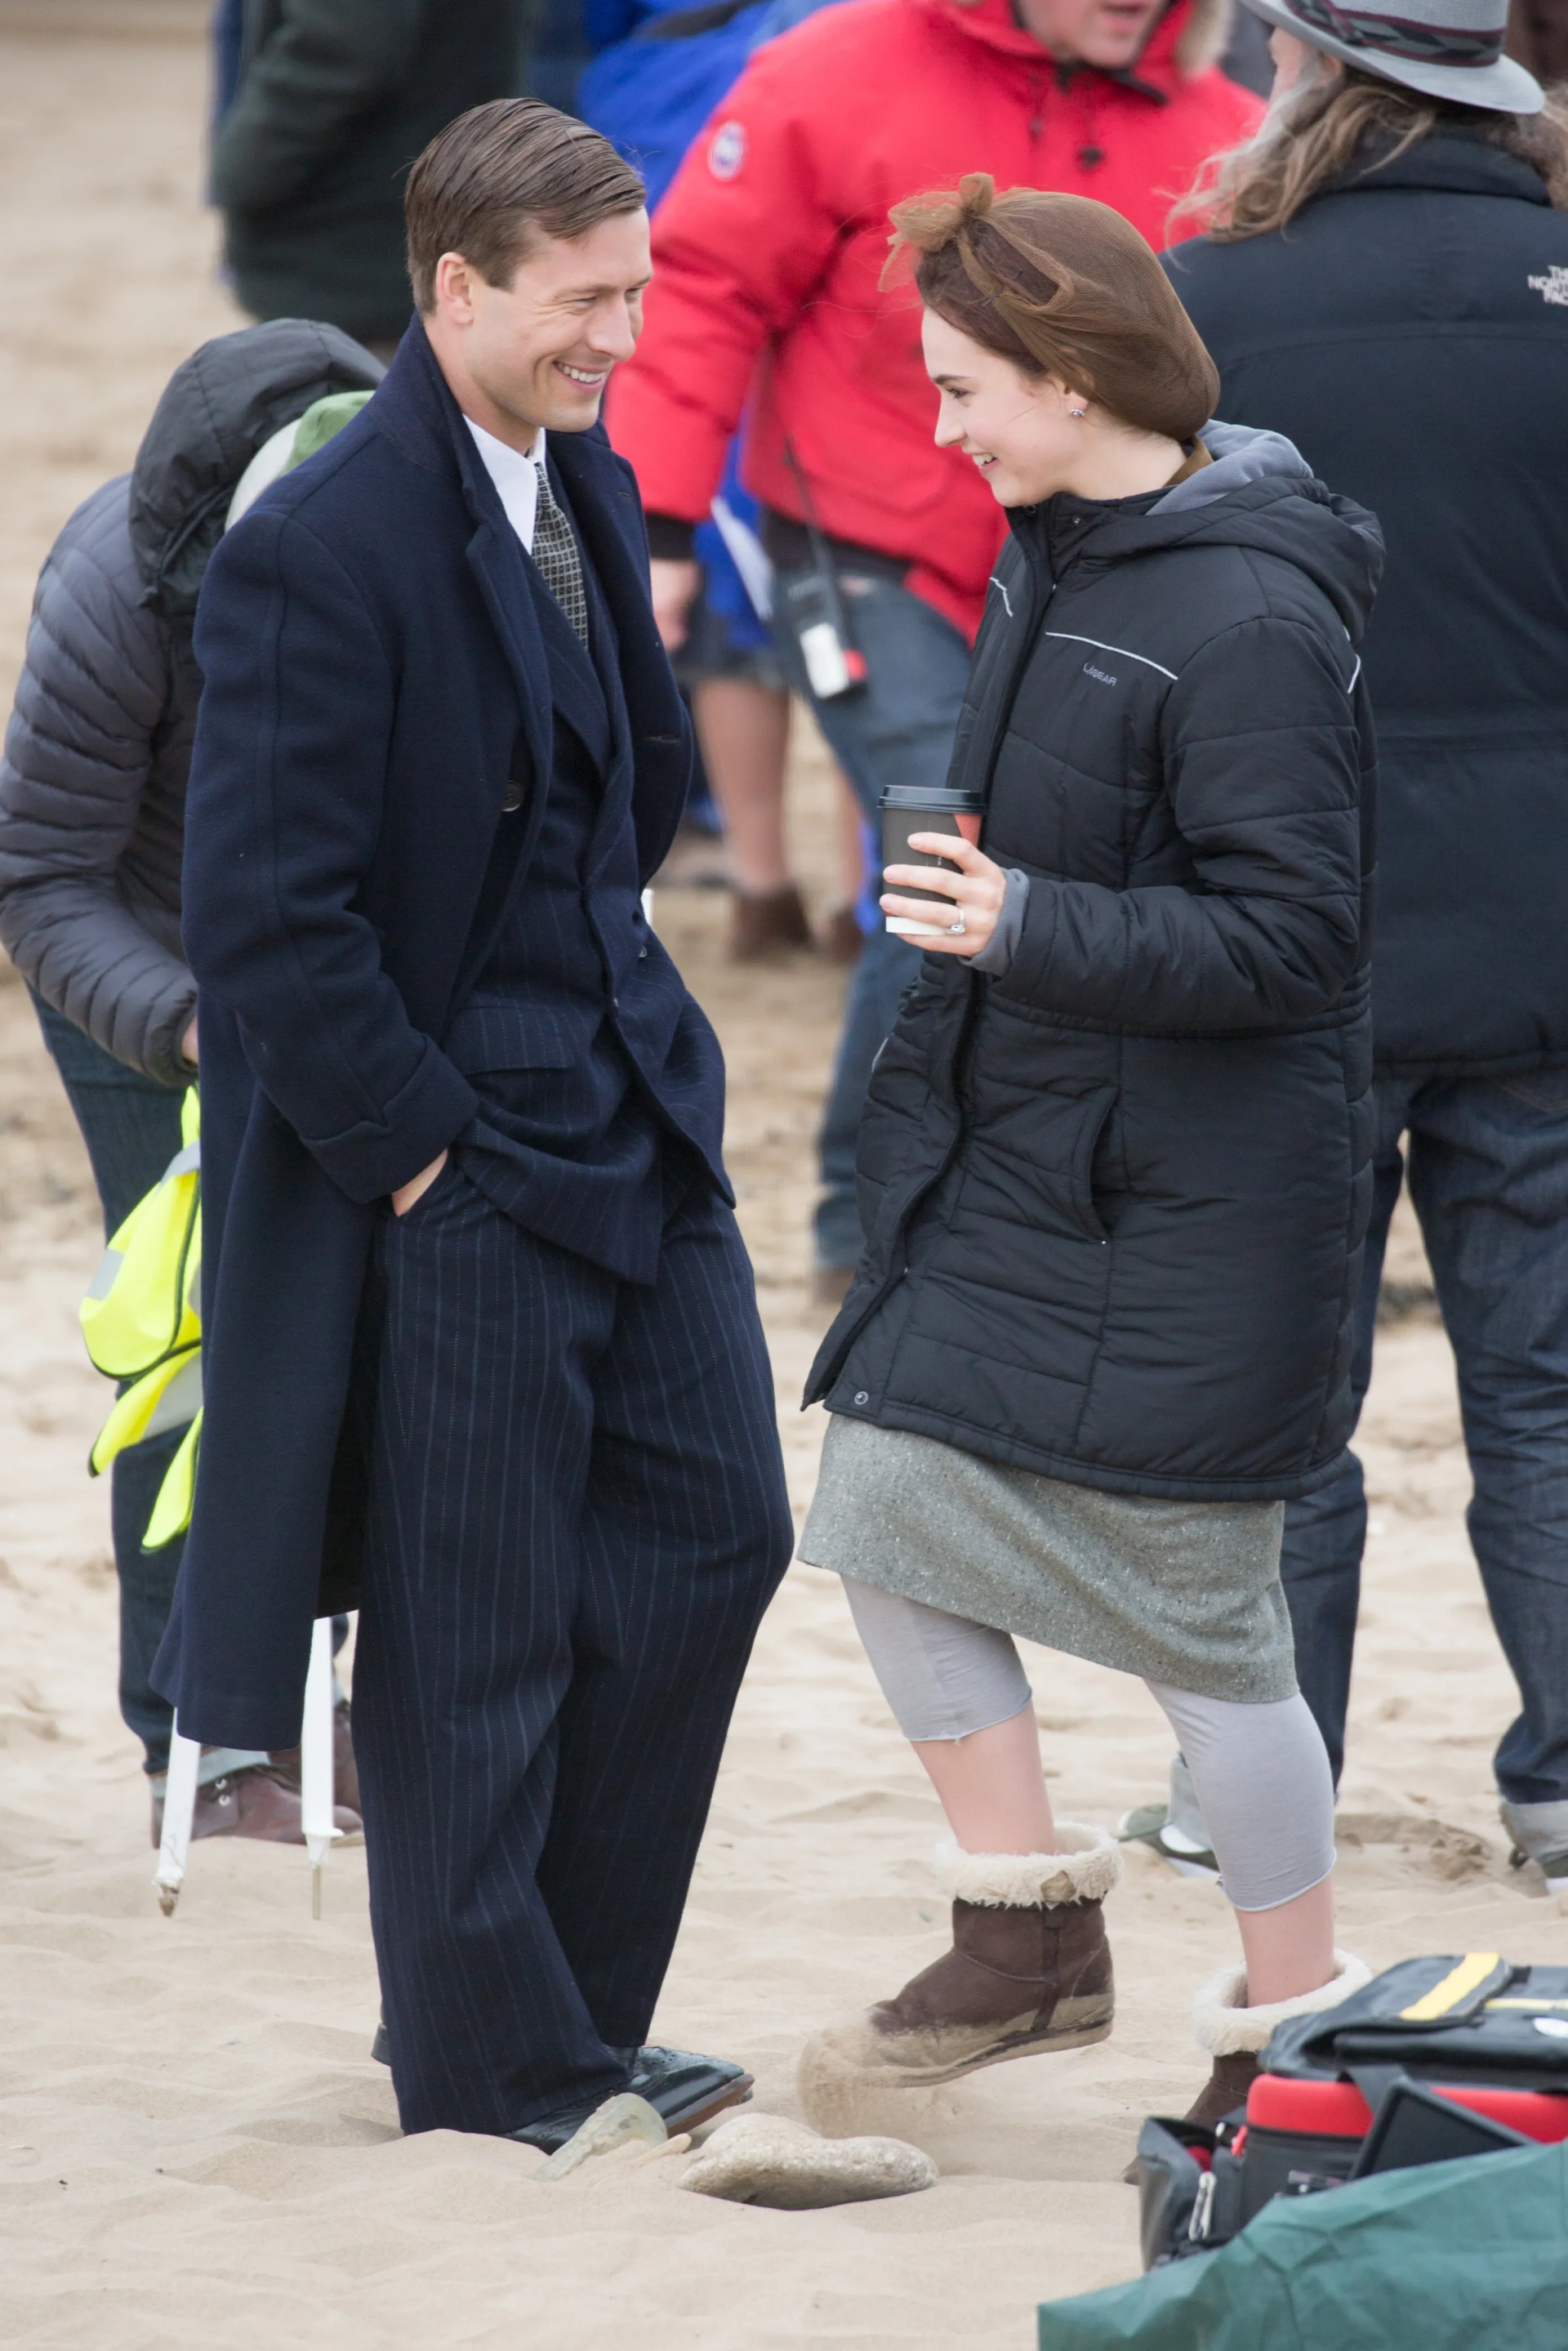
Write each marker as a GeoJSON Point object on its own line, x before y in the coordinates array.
{"type": "Point", "coordinates": [513, 799]}
{"type": "Point", "coordinates": [642, 955]}
{"type": "Point", "coordinates": [861, 1396]}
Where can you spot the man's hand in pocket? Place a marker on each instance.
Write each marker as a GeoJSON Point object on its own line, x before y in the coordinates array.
{"type": "Point", "coordinates": [416, 1187]}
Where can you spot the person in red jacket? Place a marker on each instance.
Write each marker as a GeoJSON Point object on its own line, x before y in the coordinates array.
{"type": "Point", "coordinates": [772, 241]}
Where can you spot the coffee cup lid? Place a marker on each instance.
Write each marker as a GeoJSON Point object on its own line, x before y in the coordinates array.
{"type": "Point", "coordinates": [938, 797]}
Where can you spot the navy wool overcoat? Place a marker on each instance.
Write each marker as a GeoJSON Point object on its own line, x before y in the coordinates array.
{"type": "Point", "coordinates": [376, 685]}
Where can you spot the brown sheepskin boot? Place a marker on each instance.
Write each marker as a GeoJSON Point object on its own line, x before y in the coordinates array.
{"type": "Point", "coordinates": [1030, 1970]}
{"type": "Point", "coordinates": [1235, 2036]}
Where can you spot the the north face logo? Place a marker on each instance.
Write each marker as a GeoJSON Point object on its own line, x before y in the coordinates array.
{"type": "Point", "coordinates": [1553, 287]}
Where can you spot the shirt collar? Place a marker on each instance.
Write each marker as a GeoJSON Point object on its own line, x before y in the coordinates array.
{"type": "Point", "coordinates": [501, 459]}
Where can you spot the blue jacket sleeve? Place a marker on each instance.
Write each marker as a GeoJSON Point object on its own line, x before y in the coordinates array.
{"type": "Point", "coordinates": [283, 816]}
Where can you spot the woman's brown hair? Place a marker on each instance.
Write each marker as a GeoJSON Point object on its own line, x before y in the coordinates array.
{"type": "Point", "coordinates": [1060, 286]}
{"type": "Point", "coordinates": [1333, 119]}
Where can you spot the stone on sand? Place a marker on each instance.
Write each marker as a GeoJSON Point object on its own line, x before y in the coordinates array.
{"type": "Point", "coordinates": [767, 2159]}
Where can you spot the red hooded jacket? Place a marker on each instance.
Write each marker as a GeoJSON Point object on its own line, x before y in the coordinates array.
{"type": "Point", "coordinates": [775, 229]}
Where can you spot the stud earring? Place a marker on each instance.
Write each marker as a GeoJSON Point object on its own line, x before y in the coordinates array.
{"type": "Point", "coordinates": [1077, 414]}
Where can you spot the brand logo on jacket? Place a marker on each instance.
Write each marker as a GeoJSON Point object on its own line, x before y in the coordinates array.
{"type": "Point", "coordinates": [1103, 675]}
{"type": "Point", "coordinates": [1553, 287]}
{"type": "Point", "coordinates": [727, 150]}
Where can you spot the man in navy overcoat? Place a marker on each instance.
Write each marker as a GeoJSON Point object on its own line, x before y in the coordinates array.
{"type": "Point", "coordinates": [481, 1347]}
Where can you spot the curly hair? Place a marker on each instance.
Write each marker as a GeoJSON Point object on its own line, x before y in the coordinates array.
{"type": "Point", "coordinates": [1060, 286]}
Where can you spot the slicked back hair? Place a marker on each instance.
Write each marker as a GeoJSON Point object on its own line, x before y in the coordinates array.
{"type": "Point", "coordinates": [501, 176]}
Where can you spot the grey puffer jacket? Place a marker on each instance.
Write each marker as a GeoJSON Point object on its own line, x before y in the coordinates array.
{"type": "Point", "coordinates": [92, 781]}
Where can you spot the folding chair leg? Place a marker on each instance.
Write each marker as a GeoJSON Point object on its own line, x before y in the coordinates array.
{"type": "Point", "coordinates": [179, 1811]}
{"type": "Point", "coordinates": [316, 1774]}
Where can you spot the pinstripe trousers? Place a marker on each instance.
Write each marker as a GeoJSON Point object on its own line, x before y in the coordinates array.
{"type": "Point", "coordinates": [575, 1518]}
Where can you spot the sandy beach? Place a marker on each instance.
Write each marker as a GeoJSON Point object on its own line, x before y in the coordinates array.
{"type": "Point", "coordinates": [194, 2145]}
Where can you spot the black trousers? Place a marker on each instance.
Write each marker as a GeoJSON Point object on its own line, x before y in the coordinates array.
{"type": "Point", "coordinates": [130, 1126]}
{"type": "Point", "coordinates": [576, 1517]}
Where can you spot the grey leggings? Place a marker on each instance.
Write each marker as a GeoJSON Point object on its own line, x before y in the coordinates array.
{"type": "Point", "coordinates": [1261, 1771]}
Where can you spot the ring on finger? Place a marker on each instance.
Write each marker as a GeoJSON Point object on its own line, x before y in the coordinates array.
{"type": "Point", "coordinates": [955, 930]}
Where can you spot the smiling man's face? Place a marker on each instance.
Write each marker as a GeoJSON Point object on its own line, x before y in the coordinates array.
{"type": "Point", "coordinates": [540, 350]}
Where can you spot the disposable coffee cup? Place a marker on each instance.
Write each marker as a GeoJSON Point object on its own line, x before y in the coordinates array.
{"type": "Point", "coordinates": [922, 807]}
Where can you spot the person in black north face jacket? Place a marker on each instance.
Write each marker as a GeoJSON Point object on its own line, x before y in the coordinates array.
{"type": "Point", "coordinates": [1114, 1164]}
{"type": "Point", "coordinates": [1387, 284]}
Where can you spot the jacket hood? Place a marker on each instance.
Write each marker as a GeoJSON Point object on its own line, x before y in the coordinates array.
{"type": "Point", "coordinates": [217, 410]}
{"type": "Point", "coordinates": [1189, 37]}
{"type": "Point", "coordinates": [1260, 492]}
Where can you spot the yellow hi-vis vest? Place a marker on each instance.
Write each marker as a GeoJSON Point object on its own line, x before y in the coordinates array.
{"type": "Point", "coordinates": [142, 1322]}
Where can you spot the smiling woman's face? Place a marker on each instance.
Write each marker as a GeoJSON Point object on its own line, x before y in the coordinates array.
{"type": "Point", "coordinates": [1017, 430]}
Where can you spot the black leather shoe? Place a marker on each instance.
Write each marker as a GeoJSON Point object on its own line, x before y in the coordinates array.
{"type": "Point", "coordinates": [685, 2091]}
{"type": "Point", "coordinates": [381, 2047]}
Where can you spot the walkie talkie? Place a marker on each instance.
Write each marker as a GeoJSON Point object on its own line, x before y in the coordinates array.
{"type": "Point", "coordinates": [814, 608]}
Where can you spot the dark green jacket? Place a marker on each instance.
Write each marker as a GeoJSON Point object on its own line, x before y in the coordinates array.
{"type": "Point", "coordinates": [336, 99]}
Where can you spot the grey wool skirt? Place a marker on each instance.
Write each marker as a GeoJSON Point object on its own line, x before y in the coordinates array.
{"type": "Point", "coordinates": [1183, 1593]}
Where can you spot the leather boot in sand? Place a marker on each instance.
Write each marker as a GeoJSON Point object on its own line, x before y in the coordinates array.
{"type": "Point", "coordinates": [1235, 2036]}
{"type": "Point", "coordinates": [1029, 1971]}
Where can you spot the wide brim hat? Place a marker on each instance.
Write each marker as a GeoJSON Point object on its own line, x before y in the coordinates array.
{"type": "Point", "coordinates": [1444, 48]}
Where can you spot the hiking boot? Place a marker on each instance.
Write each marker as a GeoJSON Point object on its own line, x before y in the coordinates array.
{"type": "Point", "coordinates": [1029, 1971]}
{"type": "Point", "coordinates": [345, 1770]}
{"type": "Point", "coordinates": [770, 922]}
{"type": "Point", "coordinates": [258, 1802]}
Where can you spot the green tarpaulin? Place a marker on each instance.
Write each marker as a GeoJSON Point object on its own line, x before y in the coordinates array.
{"type": "Point", "coordinates": [1468, 2256]}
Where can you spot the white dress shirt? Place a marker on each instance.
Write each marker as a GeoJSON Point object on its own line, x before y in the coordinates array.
{"type": "Point", "coordinates": [515, 477]}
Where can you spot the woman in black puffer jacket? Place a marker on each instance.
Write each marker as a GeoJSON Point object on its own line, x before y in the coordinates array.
{"type": "Point", "coordinates": [1115, 1159]}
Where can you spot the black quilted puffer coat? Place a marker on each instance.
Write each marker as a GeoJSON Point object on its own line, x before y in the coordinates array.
{"type": "Point", "coordinates": [92, 777]}
{"type": "Point", "coordinates": [1114, 1199]}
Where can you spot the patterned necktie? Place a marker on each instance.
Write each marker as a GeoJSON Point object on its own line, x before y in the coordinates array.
{"type": "Point", "coordinates": [556, 553]}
